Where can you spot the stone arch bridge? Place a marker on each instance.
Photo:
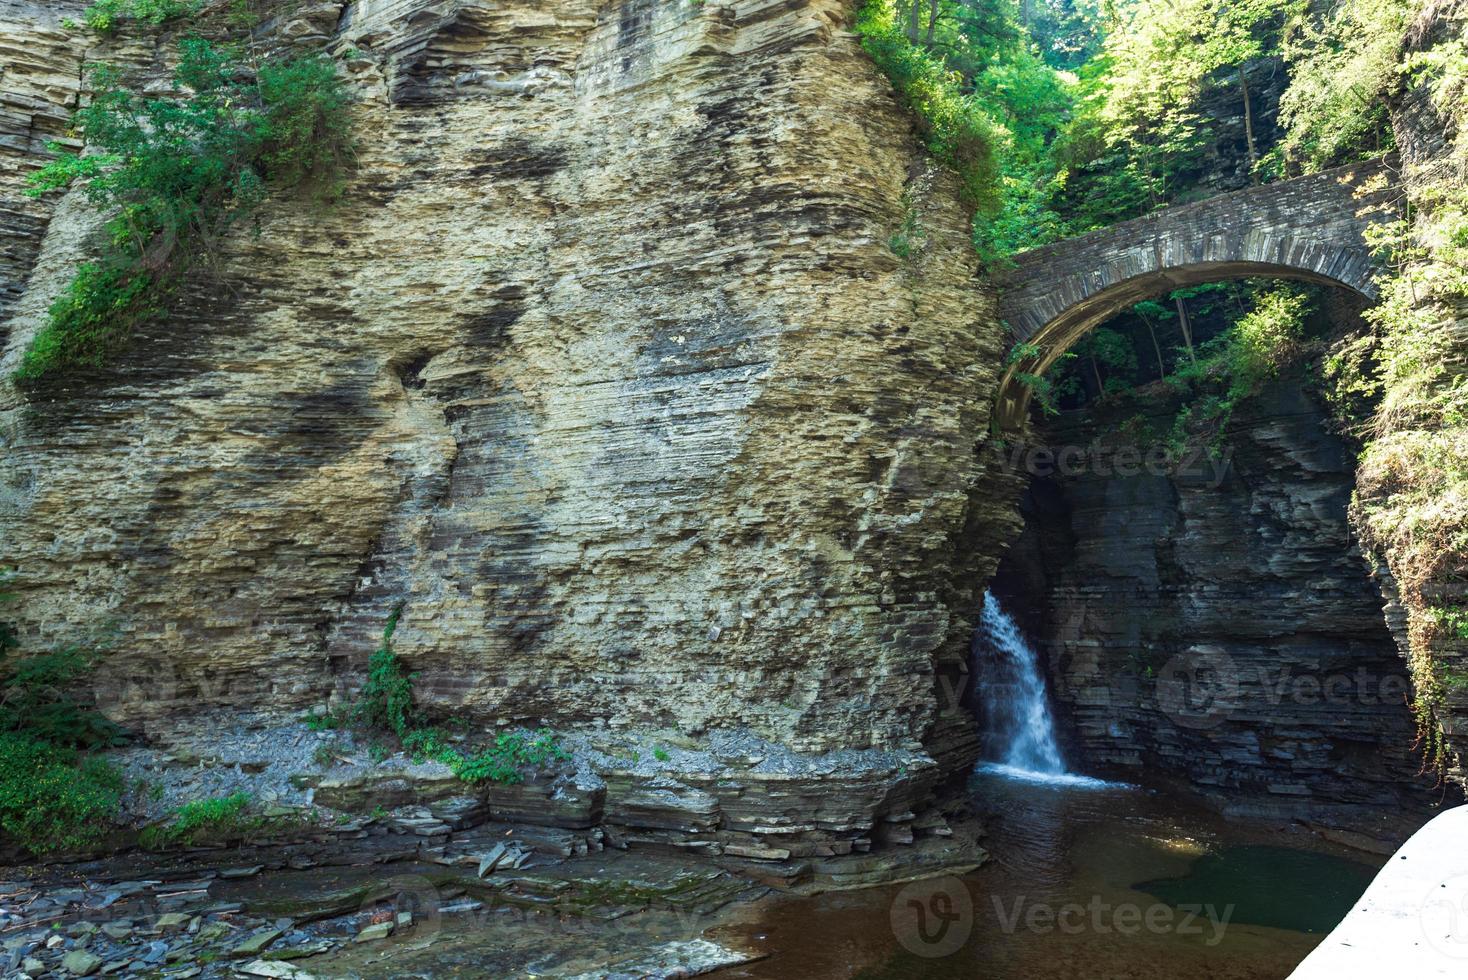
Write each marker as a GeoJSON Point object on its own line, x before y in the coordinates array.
{"type": "Point", "coordinates": [1309, 228]}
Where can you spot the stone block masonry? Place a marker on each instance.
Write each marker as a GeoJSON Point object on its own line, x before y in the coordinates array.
{"type": "Point", "coordinates": [1309, 228]}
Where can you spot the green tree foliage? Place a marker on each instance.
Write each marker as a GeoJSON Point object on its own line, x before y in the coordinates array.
{"type": "Point", "coordinates": [1344, 60]}
{"type": "Point", "coordinates": [1068, 33]}
{"type": "Point", "coordinates": [1238, 361]}
{"type": "Point", "coordinates": [954, 126]}
{"type": "Point", "coordinates": [176, 173]}
{"type": "Point", "coordinates": [986, 101]}
{"type": "Point", "coordinates": [105, 16]}
{"type": "Point", "coordinates": [1085, 115]}
{"type": "Point", "coordinates": [1139, 132]}
{"type": "Point", "coordinates": [1109, 358]}
{"type": "Point", "coordinates": [1044, 390]}
{"type": "Point", "coordinates": [1245, 335]}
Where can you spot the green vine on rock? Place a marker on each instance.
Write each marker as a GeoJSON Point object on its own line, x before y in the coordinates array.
{"type": "Point", "coordinates": [385, 706]}
{"type": "Point", "coordinates": [386, 699]}
{"type": "Point", "coordinates": [177, 173]}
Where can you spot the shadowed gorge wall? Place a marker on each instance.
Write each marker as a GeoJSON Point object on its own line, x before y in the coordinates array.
{"type": "Point", "coordinates": [603, 367]}
{"type": "Point", "coordinates": [1152, 588]}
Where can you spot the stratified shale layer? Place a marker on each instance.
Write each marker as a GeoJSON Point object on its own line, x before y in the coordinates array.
{"type": "Point", "coordinates": [603, 368]}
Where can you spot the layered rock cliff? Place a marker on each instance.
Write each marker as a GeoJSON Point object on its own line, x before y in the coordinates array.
{"type": "Point", "coordinates": [1412, 506]}
{"type": "Point", "coordinates": [39, 87]}
{"type": "Point", "coordinates": [602, 368]}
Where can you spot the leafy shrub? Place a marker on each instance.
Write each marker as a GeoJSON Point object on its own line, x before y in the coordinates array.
{"type": "Point", "coordinates": [105, 16]}
{"type": "Point", "coordinates": [90, 319]}
{"type": "Point", "coordinates": [385, 705]}
{"type": "Point", "coordinates": [511, 752]}
{"type": "Point", "coordinates": [503, 762]}
{"type": "Point", "coordinates": [385, 702]}
{"type": "Point", "coordinates": [303, 143]}
{"type": "Point", "coordinates": [218, 819]}
{"type": "Point", "coordinates": [177, 173]}
{"type": "Point", "coordinates": [1238, 361]}
{"type": "Point", "coordinates": [51, 799]}
{"type": "Point", "coordinates": [322, 722]}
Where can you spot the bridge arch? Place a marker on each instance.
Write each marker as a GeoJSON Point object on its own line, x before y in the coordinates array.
{"type": "Point", "coordinates": [1310, 228]}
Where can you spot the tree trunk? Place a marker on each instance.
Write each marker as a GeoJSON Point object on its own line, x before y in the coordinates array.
{"type": "Point", "coordinates": [1249, 127]}
{"type": "Point", "coordinates": [1100, 388]}
{"type": "Point", "coordinates": [932, 21]}
{"type": "Point", "coordinates": [912, 21]}
{"type": "Point", "coordinates": [1156, 349]}
{"type": "Point", "coordinates": [1187, 327]}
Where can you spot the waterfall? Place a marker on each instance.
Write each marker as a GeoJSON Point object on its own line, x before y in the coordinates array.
{"type": "Point", "coordinates": [1020, 738]}
{"type": "Point", "coordinates": [1021, 730]}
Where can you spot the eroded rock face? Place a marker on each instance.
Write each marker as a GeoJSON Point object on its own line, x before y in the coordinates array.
{"type": "Point", "coordinates": [1216, 624]}
{"type": "Point", "coordinates": [38, 92]}
{"type": "Point", "coordinates": [1434, 171]}
{"type": "Point", "coordinates": [603, 368]}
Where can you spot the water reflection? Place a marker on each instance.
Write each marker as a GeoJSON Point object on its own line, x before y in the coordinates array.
{"type": "Point", "coordinates": [1059, 898]}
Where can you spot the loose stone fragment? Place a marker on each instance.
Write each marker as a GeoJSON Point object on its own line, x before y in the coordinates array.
{"type": "Point", "coordinates": [378, 930]}
{"type": "Point", "coordinates": [254, 944]}
{"type": "Point", "coordinates": [80, 963]}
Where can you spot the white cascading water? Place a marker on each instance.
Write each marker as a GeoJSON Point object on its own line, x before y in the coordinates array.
{"type": "Point", "coordinates": [1020, 736]}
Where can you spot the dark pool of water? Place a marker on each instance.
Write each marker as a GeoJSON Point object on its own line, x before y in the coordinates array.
{"type": "Point", "coordinates": [1282, 887]}
{"type": "Point", "coordinates": [1083, 883]}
